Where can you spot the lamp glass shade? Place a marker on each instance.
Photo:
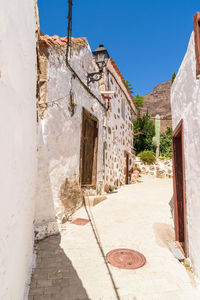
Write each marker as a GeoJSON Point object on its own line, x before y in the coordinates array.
{"type": "Point", "coordinates": [101, 55]}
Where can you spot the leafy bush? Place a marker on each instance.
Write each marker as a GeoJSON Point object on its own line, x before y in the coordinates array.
{"type": "Point", "coordinates": [147, 156]}
{"type": "Point", "coordinates": [166, 143]}
{"type": "Point", "coordinates": [139, 101]}
{"type": "Point", "coordinates": [146, 129]}
{"type": "Point", "coordinates": [164, 157]}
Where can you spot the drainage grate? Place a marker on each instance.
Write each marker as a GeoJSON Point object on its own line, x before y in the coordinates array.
{"type": "Point", "coordinates": [126, 259]}
{"type": "Point", "coordinates": [80, 221]}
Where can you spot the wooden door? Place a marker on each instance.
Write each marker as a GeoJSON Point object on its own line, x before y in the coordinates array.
{"type": "Point", "coordinates": [88, 149]}
{"type": "Point", "coordinates": [179, 186]}
{"type": "Point", "coordinates": [127, 167]}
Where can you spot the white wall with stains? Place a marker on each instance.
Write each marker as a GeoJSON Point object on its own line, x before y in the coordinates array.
{"type": "Point", "coordinates": [60, 138]}
{"type": "Point", "coordinates": [185, 104]}
{"type": "Point", "coordinates": [18, 145]}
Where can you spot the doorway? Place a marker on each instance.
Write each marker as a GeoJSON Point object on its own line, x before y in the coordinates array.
{"type": "Point", "coordinates": [127, 168]}
{"type": "Point", "coordinates": [179, 186]}
{"type": "Point", "coordinates": [89, 146]}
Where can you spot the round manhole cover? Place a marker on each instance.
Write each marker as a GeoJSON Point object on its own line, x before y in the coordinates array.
{"type": "Point", "coordinates": [126, 259]}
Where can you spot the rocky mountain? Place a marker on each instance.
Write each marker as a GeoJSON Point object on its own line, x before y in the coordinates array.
{"type": "Point", "coordinates": [158, 102]}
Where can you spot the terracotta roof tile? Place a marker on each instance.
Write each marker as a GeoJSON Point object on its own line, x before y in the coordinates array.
{"type": "Point", "coordinates": [51, 41]}
{"type": "Point", "coordinates": [122, 78]}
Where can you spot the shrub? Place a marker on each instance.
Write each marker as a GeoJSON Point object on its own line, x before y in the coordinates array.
{"type": "Point", "coordinates": [145, 126]}
{"type": "Point", "coordinates": [111, 188]}
{"type": "Point", "coordinates": [147, 156]}
{"type": "Point", "coordinates": [166, 143]}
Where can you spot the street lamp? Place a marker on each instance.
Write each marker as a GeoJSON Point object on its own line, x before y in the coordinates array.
{"type": "Point", "coordinates": [101, 58]}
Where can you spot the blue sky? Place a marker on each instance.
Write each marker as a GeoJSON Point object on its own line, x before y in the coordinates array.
{"type": "Point", "coordinates": [147, 39]}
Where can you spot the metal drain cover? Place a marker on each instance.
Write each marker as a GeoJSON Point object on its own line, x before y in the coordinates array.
{"type": "Point", "coordinates": [80, 221]}
{"type": "Point", "coordinates": [126, 259]}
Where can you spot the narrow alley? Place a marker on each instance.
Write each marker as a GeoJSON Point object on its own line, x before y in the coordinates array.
{"type": "Point", "coordinates": [73, 265]}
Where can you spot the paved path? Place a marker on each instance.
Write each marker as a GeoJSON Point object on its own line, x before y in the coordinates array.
{"type": "Point", "coordinates": [72, 266]}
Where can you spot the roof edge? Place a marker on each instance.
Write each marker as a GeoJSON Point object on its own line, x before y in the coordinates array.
{"type": "Point", "coordinates": [122, 79]}
{"type": "Point", "coordinates": [56, 40]}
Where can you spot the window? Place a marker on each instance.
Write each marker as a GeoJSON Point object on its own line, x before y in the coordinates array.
{"type": "Point", "coordinates": [123, 108]}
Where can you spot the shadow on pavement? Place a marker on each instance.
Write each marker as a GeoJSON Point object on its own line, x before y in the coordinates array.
{"type": "Point", "coordinates": [164, 233]}
{"type": "Point", "coordinates": [54, 277]}
{"type": "Point", "coordinates": [98, 240]}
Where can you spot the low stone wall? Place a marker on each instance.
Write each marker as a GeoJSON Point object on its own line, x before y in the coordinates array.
{"type": "Point", "coordinates": [162, 168]}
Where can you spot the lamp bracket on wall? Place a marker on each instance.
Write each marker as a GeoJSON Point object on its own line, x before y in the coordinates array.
{"type": "Point", "coordinates": [101, 57]}
{"type": "Point", "coordinates": [92, 77]}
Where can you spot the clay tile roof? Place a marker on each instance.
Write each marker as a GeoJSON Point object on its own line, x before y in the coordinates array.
{"type": "Point", "coordinates": [52, 41]}
{"type": "Point", "coordinates": [122, 78]}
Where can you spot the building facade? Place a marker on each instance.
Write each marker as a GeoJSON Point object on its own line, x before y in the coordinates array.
{"type": "Point", "coordinates": [85, 142]}
{"type": "Point", "coordinates": [185, 99]}
{"type": "Point", "coordinates": [70, 144]}
{"type": "Point", "coordinates": [119, 156]}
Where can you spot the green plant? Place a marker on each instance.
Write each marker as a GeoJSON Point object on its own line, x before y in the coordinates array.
{"type": "Point", "coordinates": [147, 156]}
{"type": "Point", "coordinates": [139, 101]}
{"type": "Point", "coordinates": [173, 77]}
{"type": "Point", "coordinates": [144, 131]}
{"type": "Point", "coordinates": [111, 189]}
{"type": "Point", "coordinates": [156, 138]}
{"type": "Point", "coordinates": [166, 143]}
{"type": "Point", "coordinates": [129, 85]}
{"type": "Point", "coordinates": [161, 157]}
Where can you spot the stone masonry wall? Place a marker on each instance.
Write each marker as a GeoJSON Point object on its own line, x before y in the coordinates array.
{"type": "Point", "coordinates": [119, 131]}
{"type": "Point", "coordinates": [162, 168]}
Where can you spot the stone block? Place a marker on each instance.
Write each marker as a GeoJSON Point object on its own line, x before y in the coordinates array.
{"type": "Point", "coordinates": [160, 174]}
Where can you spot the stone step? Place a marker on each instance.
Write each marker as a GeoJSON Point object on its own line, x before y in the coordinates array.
{"type": "Point", "coordinates": [176, 250]}
{"type": "Point", "coordinates": [94, 200]}
{"type": "Point", "coordinates": [90, 192]}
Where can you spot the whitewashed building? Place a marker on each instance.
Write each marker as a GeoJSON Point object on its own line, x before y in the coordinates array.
{"type": "Point", "coordinates": [70, 145]}
{"type": "Point", "coordinates": [18, 151]}
{"type": "Point", "coordinates": [185, 104]}
{"type": "Point", "coordinates": [84, 142]}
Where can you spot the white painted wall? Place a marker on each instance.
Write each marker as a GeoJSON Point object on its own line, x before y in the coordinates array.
{"type": "Point", "coordinates": [18, 145]}
{"type": "Point", "coordinates": [60, 134]}
{"type": "Point", "coordinates": [185, 103]}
